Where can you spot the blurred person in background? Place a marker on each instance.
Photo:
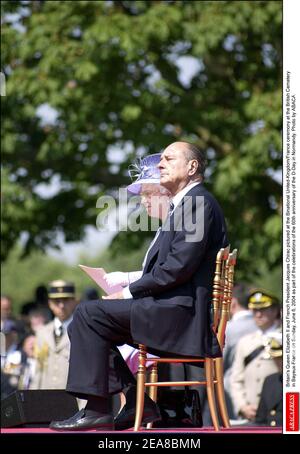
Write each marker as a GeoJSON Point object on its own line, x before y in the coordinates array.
{"type": "Point", "coordinates": [250, 367]}
{"type": "Point", "coordinates": [52, 347]}
{"type": "Point", "coordinates": [270, 408]}
{"type": "Point", "coordinates": [241, 323]}
{"type": "Point", "coordinates": [11, 342]}
{"type": "Point", "coordinates": [37, 318]}
{"type": "Point", "coordinates": [41, 296]}
{"type": "Point", "coordinates": [10, 358]}
{"type": "Point", "coordinates": [34, 312]}
{"type": "Point", "coordinates": [28, 361]}
{"type": "Point", "coordinates": [6, 310]}
{"type": "Point", "coordinates": [41, 300]}
{"type": "Point", "coordinates": [25, 310]}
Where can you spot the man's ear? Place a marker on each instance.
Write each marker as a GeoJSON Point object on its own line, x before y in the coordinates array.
{"type": "Point", "coordinates": [193, 167]}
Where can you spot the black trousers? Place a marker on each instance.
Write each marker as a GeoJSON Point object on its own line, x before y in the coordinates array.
{"type": "Point", "coordinates": [96, 366]}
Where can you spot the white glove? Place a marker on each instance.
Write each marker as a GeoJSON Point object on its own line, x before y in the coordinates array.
{"type": "Point", "coordinates": [134, 276]}
{"type": "Point", "coordinates": [116, 278]}
{"type": "Point", "coordinates": [120, 278]}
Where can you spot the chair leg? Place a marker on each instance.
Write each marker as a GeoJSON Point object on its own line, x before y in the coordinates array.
{"type": "Point", "coordinates": [140, 393]}
{"type": "Point", "coordinates": [209, 374]}
{"type": "Point", "coordinates": [153, 389]}
{"type": "Point", "coordinates": [220, 392]}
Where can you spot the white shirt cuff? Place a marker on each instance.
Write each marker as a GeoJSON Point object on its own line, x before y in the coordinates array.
{"type": "Point", "coordinates": [126, 293]}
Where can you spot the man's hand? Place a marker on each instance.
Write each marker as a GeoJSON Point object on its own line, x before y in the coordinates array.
{"type": "Point", "coordinates": [249, 412]}
{"type": "Point", "coordinates": [114, 296]}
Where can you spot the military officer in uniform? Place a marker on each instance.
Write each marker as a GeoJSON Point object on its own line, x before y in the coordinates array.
{"type": "Point", "coordinates": [270, 409]}
{"type": "Point", "coordinates": [250, 367]}
{"type": "Point", "coordinates": [52, 347]}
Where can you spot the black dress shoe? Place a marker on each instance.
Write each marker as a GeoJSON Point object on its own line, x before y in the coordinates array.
{"type": "Point", "coordinates": [81, 421]}
{"type": "Point", "coordinates": [125, 419]}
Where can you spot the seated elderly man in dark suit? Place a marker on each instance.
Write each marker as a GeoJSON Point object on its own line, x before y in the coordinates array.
{"type": "Point", "coordinates": [168, 308]}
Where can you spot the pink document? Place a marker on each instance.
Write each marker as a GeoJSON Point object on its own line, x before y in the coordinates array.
{"type": "Point", "coordinates": [97, 275]}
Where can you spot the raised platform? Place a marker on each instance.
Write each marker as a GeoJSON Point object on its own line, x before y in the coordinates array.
{"type": "Point", "coordinates": [208, 430]}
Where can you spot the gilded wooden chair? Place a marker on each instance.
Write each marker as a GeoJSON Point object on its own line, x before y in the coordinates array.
{"type": "Point", "coordinates": [221, 299]}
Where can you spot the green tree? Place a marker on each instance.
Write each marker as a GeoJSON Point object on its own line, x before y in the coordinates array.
{"type": "Point", "coordinates": [111, 70]}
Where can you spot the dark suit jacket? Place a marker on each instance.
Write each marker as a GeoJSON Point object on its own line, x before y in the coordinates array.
{"type": "Point", "coordinates": [172, 300]}
{"type": "Point", "coordinates": [270, 409]}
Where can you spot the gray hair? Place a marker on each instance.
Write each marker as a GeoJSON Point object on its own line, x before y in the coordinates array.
{"type": "Point", "coordinates": [193, 152]}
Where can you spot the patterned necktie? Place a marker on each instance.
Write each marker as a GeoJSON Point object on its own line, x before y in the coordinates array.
{"type": "Point", "coordinates": [171, 208]}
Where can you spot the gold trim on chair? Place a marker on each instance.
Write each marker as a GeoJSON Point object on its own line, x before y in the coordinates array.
{"type": "Point", "coordinates": [219, 373]}
{"type": "Point", "coordinates": [141, 379]}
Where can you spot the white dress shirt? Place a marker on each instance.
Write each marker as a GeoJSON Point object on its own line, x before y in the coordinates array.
{"type": "Point", "coordinates": [58, 325]}
{"type": "Point", "coordinates": [179, 196]}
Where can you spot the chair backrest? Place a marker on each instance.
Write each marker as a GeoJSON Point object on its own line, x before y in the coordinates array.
{"type": "Point", "coordinates": [219, 285]}
{"type": "Point", "coordinates": [222, 291]}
